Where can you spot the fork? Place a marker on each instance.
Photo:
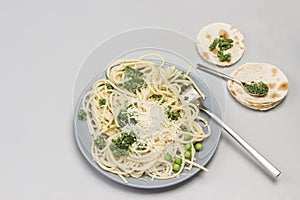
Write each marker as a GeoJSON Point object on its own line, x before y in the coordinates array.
{"type": "Point", "coordinates": [263, 162]}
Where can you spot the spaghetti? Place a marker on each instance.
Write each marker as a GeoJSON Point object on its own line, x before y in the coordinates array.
{"type": "Point", "coordinates": [140, 121]}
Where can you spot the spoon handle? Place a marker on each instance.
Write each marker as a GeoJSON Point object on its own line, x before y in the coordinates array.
{"type": "Point", "coordinates": [263, 162]}
{"type": "Point", "coordinates": [209, 70]}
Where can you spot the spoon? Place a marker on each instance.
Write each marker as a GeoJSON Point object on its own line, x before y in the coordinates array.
{"type": "Point", "coordinates": [253, 88]}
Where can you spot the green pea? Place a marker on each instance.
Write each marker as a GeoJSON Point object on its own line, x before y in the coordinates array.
{"type": "Point", "coordinates": [168, 157]}
{"type": "Point", "coordinates": [178, 161]}
{"type": "Point", "coordinates": [187, 155]}
{"type": "Point", "coordinates": [188, 147]}
{"type": "Point", "coordinates": [176, 167]}
{"type": "Point", "coordinates": [198, 146]}
{"type": "Point", "coordinates": [187, 137]}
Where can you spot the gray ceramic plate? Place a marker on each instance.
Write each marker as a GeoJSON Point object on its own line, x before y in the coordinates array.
{"type": "Point", "coordinates": [84, 139]}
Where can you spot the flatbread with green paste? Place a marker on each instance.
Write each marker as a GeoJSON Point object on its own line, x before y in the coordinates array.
{"type": "Point", "coordinates": [220, 44]}
{"type": "Point", "coordinates": [272, 76]}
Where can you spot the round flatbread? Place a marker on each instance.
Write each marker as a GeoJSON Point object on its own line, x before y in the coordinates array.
{"type": "Point", "coordinates": [275, 78]}
{"type": "Point", "coordinates": [216, 30]}
{"type": "Point", "coordinates": [261, 107]}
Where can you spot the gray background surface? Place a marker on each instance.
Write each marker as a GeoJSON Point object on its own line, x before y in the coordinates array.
{"type": "Point", "coordinates": [42, 45]}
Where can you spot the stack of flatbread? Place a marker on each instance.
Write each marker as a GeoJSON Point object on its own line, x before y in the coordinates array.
{"type": "Point", "coordinates": [272, 76]}
{"type": "Point", "coordinates": [216, 30]}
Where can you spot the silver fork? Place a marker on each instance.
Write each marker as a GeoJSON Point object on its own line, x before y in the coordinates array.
{"type": "Point", "coordinates": [263, 162]}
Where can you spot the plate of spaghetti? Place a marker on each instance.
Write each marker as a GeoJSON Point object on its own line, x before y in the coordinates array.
{"type": "Point", "coordinates": [135, 126]}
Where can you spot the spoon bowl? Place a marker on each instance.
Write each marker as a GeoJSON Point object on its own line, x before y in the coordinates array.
{"type": "Point", "coordinates": [254, 88]}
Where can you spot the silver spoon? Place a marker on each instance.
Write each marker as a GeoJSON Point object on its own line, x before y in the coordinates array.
{"type": "Point", "coordinates": [245, 85]}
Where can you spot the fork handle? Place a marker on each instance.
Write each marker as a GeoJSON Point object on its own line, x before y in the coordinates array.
{"type": "Point", "coordinates": [263, 162]}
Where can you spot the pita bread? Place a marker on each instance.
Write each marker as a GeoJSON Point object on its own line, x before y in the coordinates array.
{"type": "Point", "coordinates": [207, 35]}
{"type": "Point", "coordinates": [276, 80]}
{"type": "Point", "coordinates": [262, 107]}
